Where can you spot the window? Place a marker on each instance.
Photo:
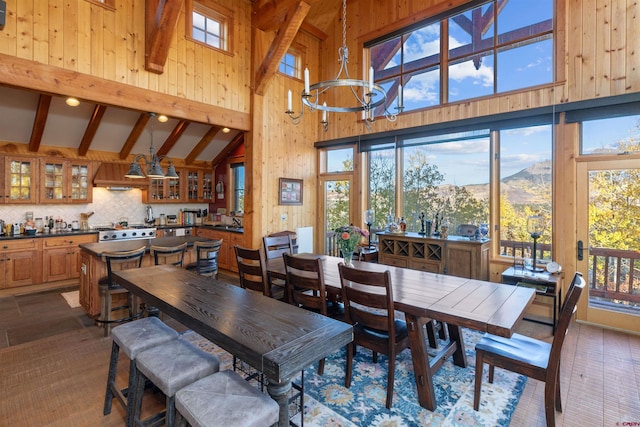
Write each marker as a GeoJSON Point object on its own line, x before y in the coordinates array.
{"type": "Point", "coordinates": [340, 160]}
{"type": "Point", "coordinates": [209, 24]}
{"type": "Point", "coordinates": [616, 135]}
{"type": "Point", "coordinates": [237, 187]}
{"type": "Point", "coordinates": [492, 48]}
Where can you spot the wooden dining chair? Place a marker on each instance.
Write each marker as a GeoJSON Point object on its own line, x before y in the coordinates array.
{"type": "Point", "coordinates": [368, 306]}
{"type": "Point", "coordinates": [274, 247]}
{"type": "Point", "coordinates": [305, 287]}
{"type": "Point", "coordinates": [172, 255]}
{"type": "Point", "coordinates": [206, 258]}
{"type": "Point", "coordinates": [252, 271]}
{"type": "Point", "coordinates": [115, 261]}
{"type": "Point", "coordinates": [529, 356]}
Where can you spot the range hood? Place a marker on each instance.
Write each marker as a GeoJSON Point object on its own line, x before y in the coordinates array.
{"type": "Point", "coordinates": [111, 175]}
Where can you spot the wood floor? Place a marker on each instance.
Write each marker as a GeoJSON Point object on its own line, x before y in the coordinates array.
{"type": "Point", "coordinates": [59, 380]}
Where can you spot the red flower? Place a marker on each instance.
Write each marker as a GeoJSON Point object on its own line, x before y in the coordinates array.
{"type": "Point", "coordinates": [345, 235]}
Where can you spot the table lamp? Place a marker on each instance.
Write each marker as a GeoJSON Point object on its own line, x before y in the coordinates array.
{"type": "Point", "coordinates": [535, 227]}
{"type": "Point", "coordinates": [368, 219]}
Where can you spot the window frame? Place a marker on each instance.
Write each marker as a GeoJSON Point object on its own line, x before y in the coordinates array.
{"type": "Point", "coordinates": [215, 12]}
{"type": "Point", "coordinates": [298, 51]}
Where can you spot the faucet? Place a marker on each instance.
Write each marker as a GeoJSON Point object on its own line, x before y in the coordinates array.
{"type": "Point", "coordinates": [236, 222]}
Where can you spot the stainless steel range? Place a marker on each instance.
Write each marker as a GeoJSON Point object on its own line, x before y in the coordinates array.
{"type": "Point", "coordinates": [130, 233]}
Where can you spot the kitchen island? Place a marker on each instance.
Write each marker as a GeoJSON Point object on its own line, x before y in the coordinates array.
{"type": "Point", "coordinates": [92, 268]}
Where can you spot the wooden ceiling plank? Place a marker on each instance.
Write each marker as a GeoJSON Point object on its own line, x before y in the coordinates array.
{"type": "Point", "coordinates": [173, 138]}
{"type": "Point", "coordinates": [202, 144]}
{"type": "Point", "coordinates": [314, 31]}
{"type": "Point", "coordinates": [92, 128]}
{"type": "Point", "coordinates": [143, 119]}
{"type": "Point", "coordinates": [161, 19]}
{"type": "Point", "coordinates": [226, 151]}
{"type": "Point", "coordinates": [268, 15]}
{"type": "Point", "coordinates": [40, 121]}
{"type": "Point", "coordinates": [280, 45]}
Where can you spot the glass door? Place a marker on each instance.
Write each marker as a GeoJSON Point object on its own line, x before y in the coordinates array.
{"type": "Point", "coordinates": [337, 209]}
{"type": "Point", "coordinates": [609, 242]}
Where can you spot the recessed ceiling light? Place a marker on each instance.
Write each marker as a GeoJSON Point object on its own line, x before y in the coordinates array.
{"type": "Point", "coordinates": [162, 118]}
{"type": "Point", "coordinates": [226, 130]}
{"type": "Point", "coordinates": [72, 102]}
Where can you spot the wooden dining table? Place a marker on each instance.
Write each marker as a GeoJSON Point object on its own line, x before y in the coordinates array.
{"type": "Point", "coordinates": [422, 297]}
{"type": "Point", "coordinates": [276, 338]}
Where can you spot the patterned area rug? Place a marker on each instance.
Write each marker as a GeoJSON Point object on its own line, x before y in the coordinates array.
{"type": "Point", "coordinates": [329, 403]}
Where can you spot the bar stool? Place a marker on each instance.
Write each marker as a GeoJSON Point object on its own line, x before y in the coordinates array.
{"type": "Point", "coordinates": [171, 255]}
{"type": "Point", "coordinates": [206, 258]}
{"type": "Point", "coordinates": [133, 338]}
{"type": "Point", "coordinates": [224, 399]}
{"type": "Point", "coordinates": [169, 367]}
{"type": "Point", "coordinates": [107, 289]}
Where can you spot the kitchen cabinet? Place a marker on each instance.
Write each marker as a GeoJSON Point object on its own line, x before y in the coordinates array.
{"type": "Point", "coordinates": [455, 256]}
{"type": "Point", "coordinates": [65, 181]}
{"type": "Point", "coordinates": [166, 190]}
{"type": "Point", "coordinates": [61, 257]}
{"type": "Point", "coordinates": [20, 180]}
{"type": "Point", "coordinates": [20, 262]}
{"type": "Point", "coordinates": [199, 186]}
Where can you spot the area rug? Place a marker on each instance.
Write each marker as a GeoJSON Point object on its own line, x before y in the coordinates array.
{"type": "Point", "coordinates": [72, 298]}
{"type": "Point", "coordinates": [329, 403]}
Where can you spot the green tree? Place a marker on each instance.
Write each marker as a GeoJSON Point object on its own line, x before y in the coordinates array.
{"type": "Point", "coordinates": [382, 187]}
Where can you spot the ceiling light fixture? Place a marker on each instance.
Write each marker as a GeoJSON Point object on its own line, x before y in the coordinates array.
{"type": "Point", "coordinates": [373, 95]}
{"type": "Point", "coordinates": [72, 102]}
{"type": "Point", "coordinates": [226, 130]}
{"type": "Point", "coordinates": [162, 118]}
{"type": "Point", "coordinates": [152, 163]}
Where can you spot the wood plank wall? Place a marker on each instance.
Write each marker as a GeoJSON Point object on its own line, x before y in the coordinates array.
{"type": "Point", "coordinates": [83, 36]}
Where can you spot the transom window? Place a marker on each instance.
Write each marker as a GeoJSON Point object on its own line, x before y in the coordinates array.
{"type": "Point", "coordinates": [498, 46]}
{"type": "Point", "coordinates": [290, 65]}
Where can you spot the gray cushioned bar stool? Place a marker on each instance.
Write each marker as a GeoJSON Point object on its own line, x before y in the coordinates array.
{"type": "Point", "coordinates": [224, 399]}
{"type": "Point", "coordinates": [169, 367]}
{"type": "Point", "coordinates": [133, 338]}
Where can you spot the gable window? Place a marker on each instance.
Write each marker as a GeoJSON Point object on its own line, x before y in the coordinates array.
{"type": "Point", "coordinates": [290, 65]}
{"type": "Point", "coordinates": [209, 24]}
{"type": "Point", "coordinates": [494, 47]}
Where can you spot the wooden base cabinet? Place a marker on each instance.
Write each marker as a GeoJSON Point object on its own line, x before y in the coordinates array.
{"type": "Point", "coordinates": [455, 256]}
{"type": "Point", "coordinates": [61, 257]}
{"type": "Point", "coordinates": [227, 255]}
{"type": "Point", "coordinates": [20, 263]}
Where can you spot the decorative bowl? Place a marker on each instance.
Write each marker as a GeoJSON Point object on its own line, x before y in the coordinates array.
{"type": "Point", "coordinates": [30, 231]}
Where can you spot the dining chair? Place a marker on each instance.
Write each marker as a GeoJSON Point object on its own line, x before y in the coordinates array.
{"type": "Point", "coordinates": [534, 358]}
{"type": "Point", "coordinates": [252, 271]}
{"type": "Point", "coordinates": [206, 258]}
{"type": "Point", "coordinates": [120, 260]}
{"type": "Point", "coordinates": [368, 306]}
{"type": "Point", "coordinates": [172, 255]}
{"type": "Point", "coordinates": [274, 247]}
{"type": "Point", "coordinates": [305, 287]}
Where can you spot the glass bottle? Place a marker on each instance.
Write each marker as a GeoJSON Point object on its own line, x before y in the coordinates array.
{"type": "Point", "coordinates": [403, 225]}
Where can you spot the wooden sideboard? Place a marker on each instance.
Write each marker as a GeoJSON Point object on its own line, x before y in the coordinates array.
{"type": "Point", "coordinates": [455, 255]}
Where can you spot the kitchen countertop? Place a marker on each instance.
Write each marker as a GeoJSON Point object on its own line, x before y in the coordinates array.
{"type": "Point", "coordinates": [96, 249]}
{"type": "Point", "coordinates": [40, 235]}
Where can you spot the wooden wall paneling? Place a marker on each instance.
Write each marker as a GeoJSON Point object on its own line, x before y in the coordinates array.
{"type": "Point", "coordinates": [633, 46]}
{"type": "Point", "coordinates": [83, 62]}
{"type": "Point", "coordinates": [589, 53]}
{"type": "Point", "coordinates": [602, 39]}
{"type": "Point", "coordinates": [109, 70]}
{"type": "Point", "coordinates": [70, 26]}
{"type": "Point", "coordinates": [574, 49]}
{"type": "Point", "coordinates": [619, 49]}
{"type": "Point", "coordinates": [122, 33]}
{"type": "Point", "coordinates": [56, 33]}
{"type": "Point", "coordinates": [96, 52]}
{"type": "Point", "coordinates": [24, 29]}
{"type": "Point", "coordinates": [9, 43]}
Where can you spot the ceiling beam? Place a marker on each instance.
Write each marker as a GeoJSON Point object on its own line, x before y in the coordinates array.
{"type": "Point", "coordinates": [226, 151]}
{"type": "Point", "coordinates": [44, 102]}
{"type": "Point", "coordinates": [161, 19]}
{"type": "Point", "coordinates": [173, 138]}
{"type": "Point", "coordinates": [280, 45]}
{"type": "Point", "coordinates": [134, 135]}
{"type": "Point", "coordinates": [268, 15]}
{"type": "Point", "coordinates": [202, 144]}
{"type": "Point", "coordinates": [92, 128]}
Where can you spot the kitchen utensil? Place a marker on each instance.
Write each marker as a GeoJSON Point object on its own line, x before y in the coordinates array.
{"type": "Point", "coordinates": [150, 218]}
{"type": "Point", "coordinates": [75, 225]}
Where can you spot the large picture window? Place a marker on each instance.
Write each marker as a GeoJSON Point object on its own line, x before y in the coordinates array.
{"type": "Point", "coordinates": [498, 46]}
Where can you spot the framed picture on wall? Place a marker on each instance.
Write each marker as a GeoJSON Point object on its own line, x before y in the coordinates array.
{"type": "Point", "coordinates": [290, 191]}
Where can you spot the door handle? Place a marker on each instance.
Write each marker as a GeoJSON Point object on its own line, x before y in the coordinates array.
{"type": "Point", "coordinates": [580, 250]}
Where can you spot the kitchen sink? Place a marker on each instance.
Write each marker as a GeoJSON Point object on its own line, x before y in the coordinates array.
{"type": "Point", "coordinates": [229, 228]}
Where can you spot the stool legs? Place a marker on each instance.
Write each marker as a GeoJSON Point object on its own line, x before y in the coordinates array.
{"type": "Point", "coordinates": [111, 379]}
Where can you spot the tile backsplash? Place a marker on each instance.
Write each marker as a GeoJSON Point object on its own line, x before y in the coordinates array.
{"type": "Point", "coordinates": [108, 207]}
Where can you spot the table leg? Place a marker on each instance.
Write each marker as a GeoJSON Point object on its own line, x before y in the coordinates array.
{"type": "Point", "coordinates": [455, 335]}
{"type": "Point", "coordinates": [280, 393]}
{"type": "Point", "coordinates": [420, 358]}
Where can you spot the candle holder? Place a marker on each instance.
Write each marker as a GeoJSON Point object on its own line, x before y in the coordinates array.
{"type": "Point", "coordinates": [535, 227]}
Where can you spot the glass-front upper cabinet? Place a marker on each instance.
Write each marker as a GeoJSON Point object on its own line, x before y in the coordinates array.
{"type": "Point", "coordinates": [165, 190]}
{"type": "Point", "coordinates": [63, 181]}
{"type": "Point", "coordinates": [199, 186]}
{"type": "Point", "coordinates": [20, 177]}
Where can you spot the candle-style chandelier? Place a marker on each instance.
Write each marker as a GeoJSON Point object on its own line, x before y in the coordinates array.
{"type": "Point", "coordinates": [367, 94]}
{"type": "Point", "coordinates": [152, 163]}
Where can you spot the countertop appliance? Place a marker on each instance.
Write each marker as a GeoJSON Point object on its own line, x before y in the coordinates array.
{"type": "Point", "coordinates": [107, 234]}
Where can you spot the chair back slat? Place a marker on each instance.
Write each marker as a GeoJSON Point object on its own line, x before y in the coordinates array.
{"type": "Point", "coordinates": [173, 255]}
{"type": "Point", "coordinates": [275, 246]}
{"type": "Point", "coordinates": [207, 253]}
{"type": "Point", "coordinates": [252, 269]}
{"type": "Point", "coordinates": [305, 283]}
{"type": "Point", "coordinates": [122, 260]}
{"type": "Point", "coordinates": [368, 298]}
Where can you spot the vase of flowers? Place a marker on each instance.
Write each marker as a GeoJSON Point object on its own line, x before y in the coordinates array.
{"type": "Point", "coordinates": [348, 237]}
